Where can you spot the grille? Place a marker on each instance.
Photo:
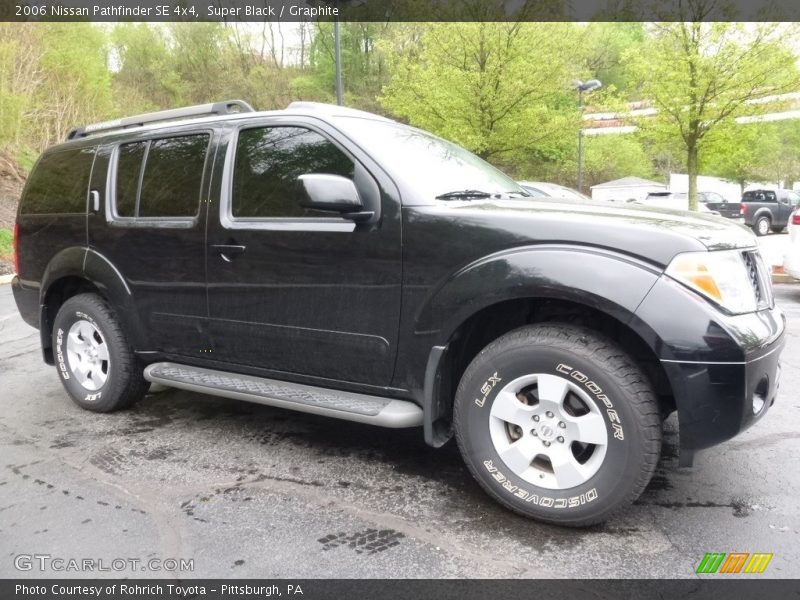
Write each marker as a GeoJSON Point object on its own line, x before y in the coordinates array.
{"type": "Point", "coordinates": [760, 278]}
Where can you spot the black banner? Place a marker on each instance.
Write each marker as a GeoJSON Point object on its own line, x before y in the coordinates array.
{"type": "Point", "coordinates": [399, 10]}
{"type": "Point", "coordinates": [387, 589]}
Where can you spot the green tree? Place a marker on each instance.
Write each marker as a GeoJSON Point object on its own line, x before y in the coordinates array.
{"type": "Point", "coordinates": [605, 157]}
{"type": "Point", "coordinates": [700, 76]}
{"type": "Point", "coordinates": [145, 78]}
{"type": "Point", "coordinates": [499, 89]}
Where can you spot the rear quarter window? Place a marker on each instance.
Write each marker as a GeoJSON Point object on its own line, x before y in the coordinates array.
{"type": "Point", "coordinates": [59, 183]}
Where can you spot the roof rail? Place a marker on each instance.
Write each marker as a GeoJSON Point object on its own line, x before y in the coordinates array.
{"type": "Point", "coordinates": [215, 108]}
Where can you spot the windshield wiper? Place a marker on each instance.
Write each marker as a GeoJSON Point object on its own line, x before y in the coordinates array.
{"type": "Point", "coordinates": [463, 194]}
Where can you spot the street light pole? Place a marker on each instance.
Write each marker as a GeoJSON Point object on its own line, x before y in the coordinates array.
{"type": "Point", "coordinates": [583, 86]}
{"type": "Point", "coordinates": [580, 142]}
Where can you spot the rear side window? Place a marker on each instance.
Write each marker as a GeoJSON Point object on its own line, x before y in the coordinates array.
{"type": "Point", "coordinates": [268, 162]}
{"type": "Point", "coordinates": [161, 178]}
{"type": "Point", "coordinates": [59, 184]}
{"type": "Point", "coordinates": [760, 196]}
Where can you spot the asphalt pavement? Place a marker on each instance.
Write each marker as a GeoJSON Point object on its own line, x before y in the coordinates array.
{"type": "Point", "coordinates": [250, 491]}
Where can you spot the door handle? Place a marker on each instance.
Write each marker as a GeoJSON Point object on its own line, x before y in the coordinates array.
{"type": "Point", "coordinates": [228, 251]}
{"type": "Point", "coordinates": [94, 196]}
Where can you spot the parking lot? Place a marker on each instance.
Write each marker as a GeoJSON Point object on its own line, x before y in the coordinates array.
{"type": "Point", "coordinates": [251, 491]}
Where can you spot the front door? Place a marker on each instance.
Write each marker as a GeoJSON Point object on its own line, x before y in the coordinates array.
{"type": "Point", "coordinates": [293, 290]}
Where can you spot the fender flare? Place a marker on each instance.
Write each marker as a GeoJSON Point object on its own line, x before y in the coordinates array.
{"type": "Point", "coordinates": [608, 281]}
{"type": "Point", "coordinates": [86, 263]}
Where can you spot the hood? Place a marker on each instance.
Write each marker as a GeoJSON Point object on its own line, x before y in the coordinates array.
{"type": "Point", "coordinates": [653, 233]}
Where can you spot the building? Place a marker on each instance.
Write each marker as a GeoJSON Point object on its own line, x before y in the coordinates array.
{"type": "Point", "coordinates": [626, 189]}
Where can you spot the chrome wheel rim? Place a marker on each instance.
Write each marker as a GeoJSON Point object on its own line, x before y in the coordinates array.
{"type": "Point", "coordinates": [87, 355]}
{"type": "Point", "coordinates": [548, 431]}
{"type": "Point", "coordinates": [763, 226]}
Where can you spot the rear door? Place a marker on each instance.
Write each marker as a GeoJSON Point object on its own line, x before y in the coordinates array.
{"type": "Point", "coordinates": [294, 290]}
{"type": "Point", "coordinates": [151, 227]}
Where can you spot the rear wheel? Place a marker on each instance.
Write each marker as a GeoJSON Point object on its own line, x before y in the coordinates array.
{"type": "Point", "coordinates": [557, 423]}
{"type": "Point", "coordinates": [777, 229]}
{"type": "Point", "coordinates": [95, 363]}
{"type": "Point", "coordinates": [762, 225]}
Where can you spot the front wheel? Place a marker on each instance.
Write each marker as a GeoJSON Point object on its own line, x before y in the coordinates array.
{"type": "Point", "coordinates": [557, 423]}
{"type": "Point", "coordinates": [95, 362]}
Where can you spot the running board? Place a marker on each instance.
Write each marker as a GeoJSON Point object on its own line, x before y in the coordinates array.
{"type": "Point", "coordinates": [374, 410]}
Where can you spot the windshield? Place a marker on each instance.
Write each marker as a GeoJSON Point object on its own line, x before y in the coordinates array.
{"type": "Point", "coordinates": [431, 165]}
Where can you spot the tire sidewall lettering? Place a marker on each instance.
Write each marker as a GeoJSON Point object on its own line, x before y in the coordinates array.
{"type": "Point", "coordinates": [519, 492]}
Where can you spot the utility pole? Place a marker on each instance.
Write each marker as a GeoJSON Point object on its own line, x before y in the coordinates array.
{"type": "Point", "coordinates": [337, 43]}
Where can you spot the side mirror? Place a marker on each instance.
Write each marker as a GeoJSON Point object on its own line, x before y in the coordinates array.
{"type": "Point", "coordinates": [333, 193]}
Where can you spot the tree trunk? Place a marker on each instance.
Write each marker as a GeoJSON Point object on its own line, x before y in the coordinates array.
{"type": "Point", "coordinates": [691, 166]}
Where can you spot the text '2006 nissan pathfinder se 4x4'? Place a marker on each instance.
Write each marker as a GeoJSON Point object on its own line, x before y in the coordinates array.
{"type": "Point", "coordinates": [330, 261]}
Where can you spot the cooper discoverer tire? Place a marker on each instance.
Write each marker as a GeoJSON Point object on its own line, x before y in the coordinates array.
{"type": "Point", "coordinates": [557, 423]}
{"type": "Point", "coordinates": [94, 361]}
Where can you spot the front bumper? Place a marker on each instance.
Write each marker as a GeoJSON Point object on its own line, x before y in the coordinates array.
{"type": "Point", "coordinates": [724, 370]}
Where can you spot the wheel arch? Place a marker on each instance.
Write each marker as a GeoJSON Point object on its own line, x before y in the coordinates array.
{"type": "Point", "coordinates": [79, 270]}
{"type": "Point", "coordinates": [565, 288]}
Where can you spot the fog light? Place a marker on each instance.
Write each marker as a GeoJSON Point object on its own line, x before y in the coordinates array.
{"type": "Point", "coordinates": [760, 395]}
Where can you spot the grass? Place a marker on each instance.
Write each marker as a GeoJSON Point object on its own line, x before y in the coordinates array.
{"type": "Point", "coordinates": [5, 243]}
{"type": "Point", "coordinates": [25, 158]}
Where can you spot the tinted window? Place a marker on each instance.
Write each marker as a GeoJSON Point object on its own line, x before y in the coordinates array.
{"type": "Point", "coordinates": [268, 162]}
{"type": "Point", "coordinates": [173, 176]}
{"type": "Point", "coordinates": [59, 183]}
{"type": "Point", "coordinates": [129, 167]}
{"type": "Point", "coordinates": [759, 196]}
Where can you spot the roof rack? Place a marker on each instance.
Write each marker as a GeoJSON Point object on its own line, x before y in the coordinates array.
{"type": "Point", "coordinates": [215, 108]}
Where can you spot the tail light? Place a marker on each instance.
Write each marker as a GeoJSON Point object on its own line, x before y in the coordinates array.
{"type": "Point", "coordinates": [16, 248]}
{"type": "Point", "coordinates": [743, 209]}
{"type": "Point", "coordinates": [796, 218]}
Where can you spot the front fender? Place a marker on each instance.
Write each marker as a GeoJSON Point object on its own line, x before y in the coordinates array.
{"type": "Point", "coordinates": [607, 281]}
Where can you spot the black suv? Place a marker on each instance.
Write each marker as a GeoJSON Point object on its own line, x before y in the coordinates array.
{"type": "Point", "coordinates": [335, 262]}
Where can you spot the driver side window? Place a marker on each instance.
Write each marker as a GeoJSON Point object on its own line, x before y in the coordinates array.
{"type": "Point", "coordinates": [268, 162]}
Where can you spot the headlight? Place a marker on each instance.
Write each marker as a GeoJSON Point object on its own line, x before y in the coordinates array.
{"type": "Point", "coordinates": [719, 276]}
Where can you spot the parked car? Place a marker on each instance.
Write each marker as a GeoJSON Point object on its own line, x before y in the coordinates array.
{"type": "Point", "coordinates": [542, 189]}
{"type": "Point", "coordinates": [334, 262]}
{"type": "Point", "coordinates": [791, 260]}
{"type": "Point", "coordinates": [680, 201]}
{"type": "Point", "coordinates": [766, 210]}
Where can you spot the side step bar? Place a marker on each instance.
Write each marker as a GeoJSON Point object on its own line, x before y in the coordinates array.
{"type": "Point", "coordinates": [374, 410]}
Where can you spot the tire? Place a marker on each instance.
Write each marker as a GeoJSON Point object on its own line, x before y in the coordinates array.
{"type": "Point", "coordinates": [777, 229]}
{"type": "Point", "coordinates": [762, 225]}
{"type": "Point", "coordinates": [600, 383]}
{"type": "Point", "coordinates": [94, 360]}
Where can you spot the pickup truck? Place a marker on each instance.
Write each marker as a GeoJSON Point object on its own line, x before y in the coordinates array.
{"type": "Point", "coordinates": [766, 210]}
